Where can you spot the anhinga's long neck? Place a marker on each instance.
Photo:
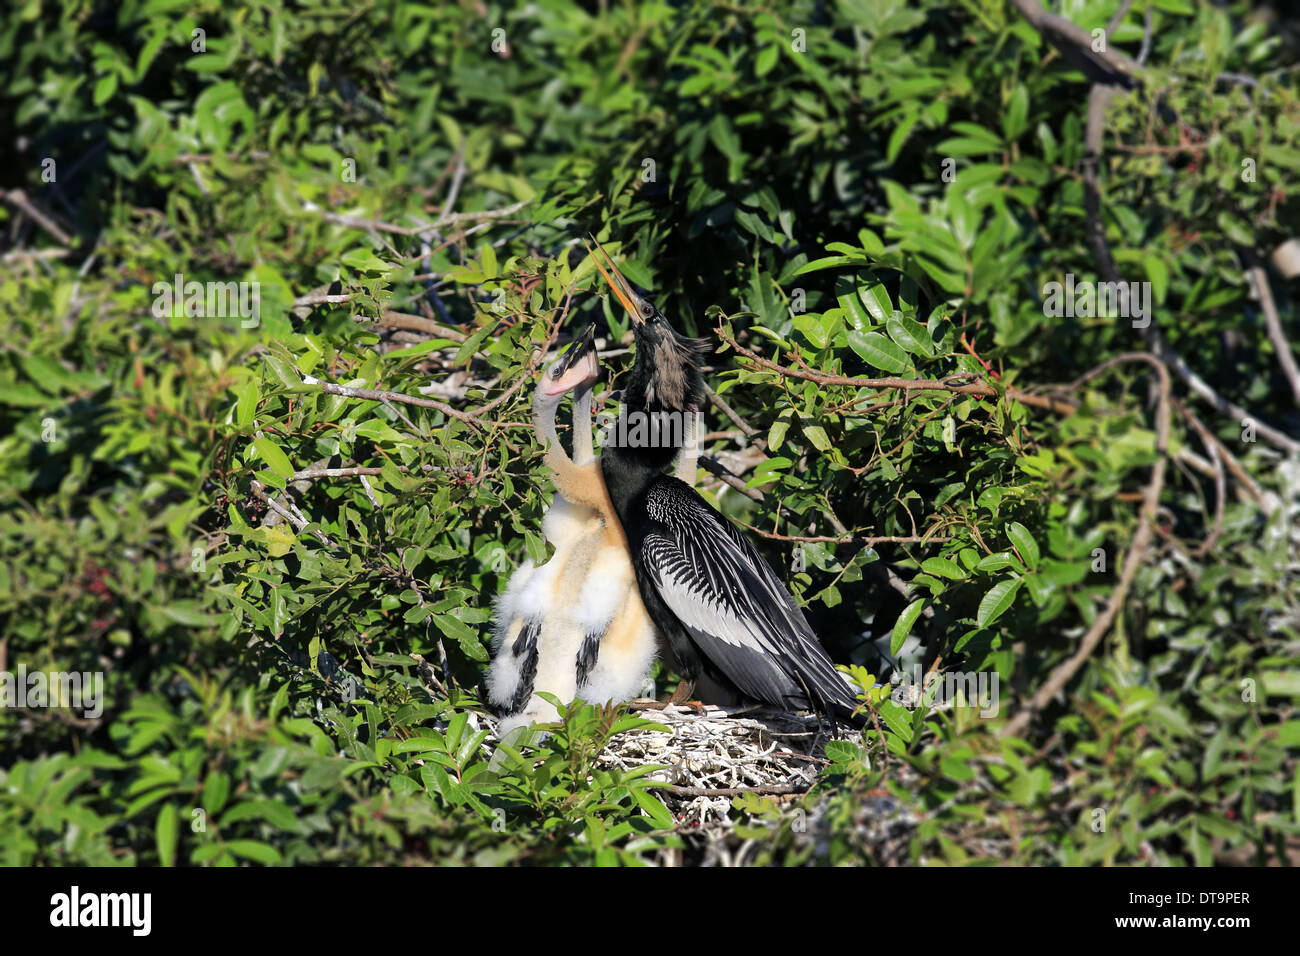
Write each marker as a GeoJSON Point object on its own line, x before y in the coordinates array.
{"type": "Point", "coordinates": [583, 450]}
{"type": "Point", "coordinates": [544, 409]}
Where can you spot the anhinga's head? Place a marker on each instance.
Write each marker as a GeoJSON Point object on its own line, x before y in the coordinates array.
{"type": "Point", "coordinates": [666, 373]}
{"type": "Point", "coordinates": [576, 368]}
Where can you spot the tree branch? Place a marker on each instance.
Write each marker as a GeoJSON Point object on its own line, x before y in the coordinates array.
{"type": "Point", "coordinates": [950, 384]}
{"type": "Point", "coordinates": [1273, 322]}
{"type": "Point", "coordinates": [373, 395]}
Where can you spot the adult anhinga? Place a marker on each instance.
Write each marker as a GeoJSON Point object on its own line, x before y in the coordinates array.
{"type": "Point", "coordinates": [719, 605]}
{"type": "Point", "coordinates": [574, 626]}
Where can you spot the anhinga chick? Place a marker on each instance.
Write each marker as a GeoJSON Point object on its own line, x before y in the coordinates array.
{"type": "Point", "coordinates": [574, 626]}
{"type": "Point", "coordinates": [721, 608]}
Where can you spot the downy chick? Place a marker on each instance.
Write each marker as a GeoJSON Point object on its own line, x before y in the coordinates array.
{"type": "Point", "coordinates": [574, 626]}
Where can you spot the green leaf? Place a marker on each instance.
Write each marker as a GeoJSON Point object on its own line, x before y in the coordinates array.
{"type": "Point", "coordinates": [1158, 274]}
{"type": "Point", "coordinates": [275, 459]}
{"type": "Point", "coordinates": [903, 626]}
{"type": "Point", "coordinates": [105, 89]}
{"type": "Point", "coordinates": [1024, 543]}
{"type": "Point", "coordinates": [897, 719]}
{"type": "Point", "coordinates": [255, 851]}
{"type": "Point", "coordinates": [776, 434]}
{"type": "Point", "coordinates": [282, 371]}
{"type": "Point", "coordinates": [875, 297]}
{"type": "Point", "coordinates": [910, 335]}
{"type": "Point", "coordinates": [1014, 120]}
{"type": "Point", "coordinates": [996, 601]}
{"type": "Point", "coordinates": [1235, 230]}
{"type": "Point", "coordinates": [723, 135]}
{"type": "Point", "coordinates": [878, 351]}
{"type": "Point", "coordinates": [995, 561]}
{"type": "Point", "coordinates": [817, 435]}
{"type": "Point", "coordinates": [859, 317]}
{"type": "Point", "coordinates": [942, 567]}
{"type": "Point", "coordinates": [654, 808]}
{"type": "Point", "coordinates": [166, 832]}
{"type": "Point", "coordinates": [246, 410]}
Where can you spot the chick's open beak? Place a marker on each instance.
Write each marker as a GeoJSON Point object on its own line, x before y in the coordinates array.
{"type": "Point", "coordinates": [617, 284]}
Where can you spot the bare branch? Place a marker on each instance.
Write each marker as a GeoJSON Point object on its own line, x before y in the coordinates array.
{"type": "Point", "coordinates": [374, 395]}
{"type": "Point", "coordinates": [1273, 322]}
{"type": "Point", "coordinates": [297, 520]}
{"type": "Point", "coordinates": [18, 199]}
{"type": "Point", "coordinates": [418, 323]}
{"type": "Point", "coordinates": [749, 430]}
{"type": "Point", "coordinates": [1077, 46]}
{"type": "Point", "coordinates": [378, 225]}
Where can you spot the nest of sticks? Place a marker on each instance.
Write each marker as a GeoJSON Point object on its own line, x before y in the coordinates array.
{"type": "Point", "coordinates": [714, 754]}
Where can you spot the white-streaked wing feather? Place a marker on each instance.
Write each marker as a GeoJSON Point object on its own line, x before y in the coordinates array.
{"type": "Point", "coordinates": [728, 597]}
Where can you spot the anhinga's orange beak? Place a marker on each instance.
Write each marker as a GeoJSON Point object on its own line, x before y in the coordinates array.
{"type": "Point", "coordinates": [617, 284]}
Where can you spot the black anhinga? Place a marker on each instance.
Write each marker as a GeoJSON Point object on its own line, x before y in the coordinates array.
{"type": "Point", "coordinates": [721, 608]}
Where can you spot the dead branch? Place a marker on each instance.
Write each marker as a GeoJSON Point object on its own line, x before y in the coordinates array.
{"type": "Point", "coordinates": [19, 200]}
{"type": "Point", "coordinates": [1273, 322]}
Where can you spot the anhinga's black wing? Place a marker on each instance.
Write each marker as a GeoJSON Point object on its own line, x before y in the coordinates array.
{"type": "Point", "coordinates": [732, 604]}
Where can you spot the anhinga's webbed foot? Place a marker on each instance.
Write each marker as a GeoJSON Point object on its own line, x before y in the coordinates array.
{"type": "Point", "coordinates": [680, 698]}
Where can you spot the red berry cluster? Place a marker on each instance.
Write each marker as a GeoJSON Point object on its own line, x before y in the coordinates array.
{"type": "Point", "coordinates": [254, 508]}
{"type": "Point", "coordinates": [94, 581]}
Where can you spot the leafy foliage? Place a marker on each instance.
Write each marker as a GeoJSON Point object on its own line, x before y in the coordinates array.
{"type": "Point", "coordinates": [837, 195]}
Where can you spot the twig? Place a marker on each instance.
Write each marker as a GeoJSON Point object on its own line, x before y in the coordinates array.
{"type": "Point", "coordinates": [1220, 481]}
{"type": "Point", "coordinates": [37, 254]}
{"type": "Point", "coordinates": [1099, 98]}
{"type": "Point", "coordinates": [724, 474]}
{"type": "Point", "coordinates": [847, 539]}
{"type": "Point", "coordinates": [1273, 322]}
{"type": "Point", "coordinates": [1076, 46]}
{"type": "Point", "coordinates": [1118, 18]}
{"type": "Point", "coordinates": [457, 179]}
{"type": "Point", "coordinates": [309, 474]}
{"type": "Point", "coordinates": [18, 199]}
{"type": "Point", "coordinates": [979, 389]}
{"type": "Point", "coordinates": [1229, 459]}
{"type": "Point", "coordinates": [323, 298]}
{"type": "Point", "coordinates": [1146, 37]}
{"type": "Point", "coordinates": [749, 430]}
{"type": "Point", "coordinates": [527, 376]}
{"type": "Point", "coordinates": [904, 588]}
{"type": "Point", "coordinates": [378, 225]}
{"type": "Point", "coordinates": [418, 323]}
{"type": "Point", "coordinates": [299, 522]}
{"type": "Point", "coordinates": [373, 395]}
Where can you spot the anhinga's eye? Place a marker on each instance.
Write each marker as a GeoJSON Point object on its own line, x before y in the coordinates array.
{"type": "Point", "coordinates": [648, 311]}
